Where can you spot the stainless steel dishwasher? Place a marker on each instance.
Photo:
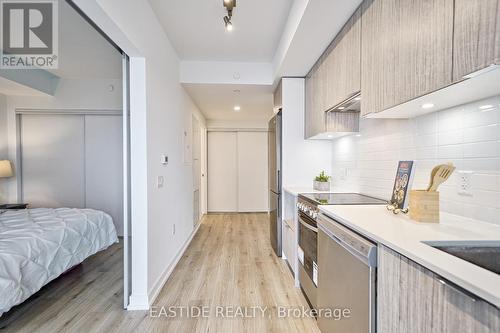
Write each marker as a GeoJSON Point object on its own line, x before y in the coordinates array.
{"type": "Point", "coordinates": [347, 279]}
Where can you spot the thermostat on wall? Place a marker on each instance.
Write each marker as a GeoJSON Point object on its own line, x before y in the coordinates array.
{"type": "Point", "coordinates": [164, 159]}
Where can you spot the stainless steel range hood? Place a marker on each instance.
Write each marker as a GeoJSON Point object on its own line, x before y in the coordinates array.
{"type": "Point", "coordinates": [352, 104]}
{"type": "Point", "coordinates": [342, 119]}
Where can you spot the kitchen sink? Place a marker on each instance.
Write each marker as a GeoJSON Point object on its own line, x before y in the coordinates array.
{"type": "Point", "coordinates": [485, 254]}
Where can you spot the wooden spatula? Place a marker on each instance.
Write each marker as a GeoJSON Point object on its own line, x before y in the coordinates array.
{"type": "Point", "coordinates": [442, 174]}
{"type": "Point", "coordinates": [433, 173]}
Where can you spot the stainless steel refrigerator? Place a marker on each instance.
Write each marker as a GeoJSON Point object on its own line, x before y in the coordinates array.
{"type": "Point", "coordinates": [275, 183]}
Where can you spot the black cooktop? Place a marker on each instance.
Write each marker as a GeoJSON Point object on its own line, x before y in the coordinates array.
{"type": "Point", "coordinates": [341, 199]}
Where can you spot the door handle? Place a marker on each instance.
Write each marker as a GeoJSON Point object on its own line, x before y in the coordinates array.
{"type": "Point", "coordinates": [313, 229]}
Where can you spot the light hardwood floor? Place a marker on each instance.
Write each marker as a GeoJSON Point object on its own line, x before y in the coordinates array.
{"type": "Point", "coordinates": [229, 264]}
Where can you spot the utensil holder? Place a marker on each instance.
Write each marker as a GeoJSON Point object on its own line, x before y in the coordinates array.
{"type": "Point", "coordinates": [424, 206]}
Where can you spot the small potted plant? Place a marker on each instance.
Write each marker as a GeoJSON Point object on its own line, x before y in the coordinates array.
{"type": "Point", "coordinates": [322, 182]}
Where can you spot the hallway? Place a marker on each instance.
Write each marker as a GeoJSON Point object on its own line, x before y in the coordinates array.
{"type": "Point", "coordinates": [229, 270]}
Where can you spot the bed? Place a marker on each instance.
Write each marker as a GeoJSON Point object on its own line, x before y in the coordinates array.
{"type": "Point", "coordinates": [38, 245]}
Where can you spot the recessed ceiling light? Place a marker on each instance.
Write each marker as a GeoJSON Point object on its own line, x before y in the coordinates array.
{"type": "Point", "coordinates": [341, 108]}
{"type": "Point", "coordinates": [484, 107]}
{"type": "Point", "coordinates": [357, 99]}
{"type": "Point", "coordinates": [237, 108]}
{"type": "Point", "coordinates": [427, 106]}
{"type": "Point", "coordinates": [330, 136]}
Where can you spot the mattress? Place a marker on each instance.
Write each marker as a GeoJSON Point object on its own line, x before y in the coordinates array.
{"type": "Point", "coordinates": [38, 245]}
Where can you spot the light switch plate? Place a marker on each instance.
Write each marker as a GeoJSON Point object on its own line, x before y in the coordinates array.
{"type": "Point", "coordinates": [161, 181]}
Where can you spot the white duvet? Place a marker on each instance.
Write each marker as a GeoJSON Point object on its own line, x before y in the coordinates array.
{"type": "Point", "coordinates": [37, 245]}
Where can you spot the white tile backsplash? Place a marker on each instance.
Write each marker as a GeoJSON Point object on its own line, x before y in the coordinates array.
{"type": "Point", "coordinates": [466, 136]}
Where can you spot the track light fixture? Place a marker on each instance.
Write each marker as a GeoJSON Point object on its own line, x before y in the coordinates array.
{"type": "Point", "coordinates": [229, 5]}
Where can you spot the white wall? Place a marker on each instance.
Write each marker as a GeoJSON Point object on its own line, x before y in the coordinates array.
{"type": "Point", "coordinates": [465, 135]}
{"type": "Point", "coordinates": [302, 159]}
{"type": "Point", "coordinates": [160, 114]}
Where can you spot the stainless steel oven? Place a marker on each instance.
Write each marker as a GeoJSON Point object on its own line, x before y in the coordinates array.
{"type": "Point", "coordinates": [308, 257]}
{"type": "Point", "coordinates": [308, 235]}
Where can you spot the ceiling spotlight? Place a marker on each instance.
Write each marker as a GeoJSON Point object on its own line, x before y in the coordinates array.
{"type": "Point", "coordinates": [237, 108]}
{"type": "Point", "coordinates": [229, 5]}
{"type": "Point", "coordinates": [427, 106]}
{"type": "Point", "coordinates": [485, 107]}
{"type": "Point", "coordinates": [228, 24]}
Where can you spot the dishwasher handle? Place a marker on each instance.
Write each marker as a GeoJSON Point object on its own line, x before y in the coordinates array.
{"type": "Point", "coordinates": [358, 246]}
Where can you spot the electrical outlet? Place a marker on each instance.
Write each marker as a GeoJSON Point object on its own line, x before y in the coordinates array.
{"type": "Point", "coordinates": [465, 182]}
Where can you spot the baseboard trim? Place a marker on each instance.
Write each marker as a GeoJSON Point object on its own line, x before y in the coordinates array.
{"type": "Point", "coordinates": [138, 303]}
{"type": "Point", "coordinates": [155, 291]}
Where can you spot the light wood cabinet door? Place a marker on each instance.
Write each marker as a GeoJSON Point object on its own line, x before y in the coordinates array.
{"type": "Point", "coordinates": [497, 37]}
{"type": "Point", "coordinates": [475, 36]}
{"type": "Point", "coordinates": [314, 113]}
{"type": "Point", "coordinates": [335, 76]}
{"type": "Point", "coordinates": [406, 50]}
{"type": "Point", "coordinates": [411, 298]}
{"type": "Point", "coordinates": [343, 63]}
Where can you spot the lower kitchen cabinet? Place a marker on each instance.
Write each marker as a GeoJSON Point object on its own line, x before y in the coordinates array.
{"type": "Point", "coordinates": [412, 298]}
{"type": "Point", "coordinates": [289, 244]}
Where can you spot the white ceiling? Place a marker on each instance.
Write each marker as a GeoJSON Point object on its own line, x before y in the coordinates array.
{"type": "Point", "coordinates": [218, 100]}
{"type": "Point", "coordinates": [83, 52]}
{"type": "Point", "coordinates": [196, 29]}
{"type": "Point", "coordinates": [285, 37]}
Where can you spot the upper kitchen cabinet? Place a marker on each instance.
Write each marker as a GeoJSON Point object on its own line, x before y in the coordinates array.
{"type": "Point", "coordinates": [343, 63]}
{"type": "Point", "coordinates": [314, 113]}
{"type": "Point", "coordinates": [476, 36]}
{"type": "Point", "coordinates": [406, 50]}
{"type": "Point", "coordinates": [335, 77]}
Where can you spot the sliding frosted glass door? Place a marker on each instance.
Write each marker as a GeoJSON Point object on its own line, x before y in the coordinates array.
{"type": "Point", "coordinates": [222, 172]}
{"type": "Point", "coordinates": [53, 160]}
{"type": "Point", "coordinates": [73, 160]}
{"type": "Point", "coordinates": [104, 166]}
{"type": "Point", "coordinates": [237, 172]}
{"type": "Point", "coordinates": [253, 181]}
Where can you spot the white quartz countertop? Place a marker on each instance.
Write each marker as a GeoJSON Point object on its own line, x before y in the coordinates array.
{"type": "Point", "coordinates": [296, 190]}
{"type": "Point", "coordinates": [405, 236]}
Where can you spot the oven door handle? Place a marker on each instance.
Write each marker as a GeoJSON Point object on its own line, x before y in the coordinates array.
{"type": "Point", "coordinates": [313, 229]}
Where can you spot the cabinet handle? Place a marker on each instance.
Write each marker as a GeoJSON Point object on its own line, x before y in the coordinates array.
{"type": "Point", "coordinates": [457, 289]}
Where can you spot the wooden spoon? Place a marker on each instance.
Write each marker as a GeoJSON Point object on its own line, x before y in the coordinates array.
{"type": "Point", "coordinates": [442, 174]}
